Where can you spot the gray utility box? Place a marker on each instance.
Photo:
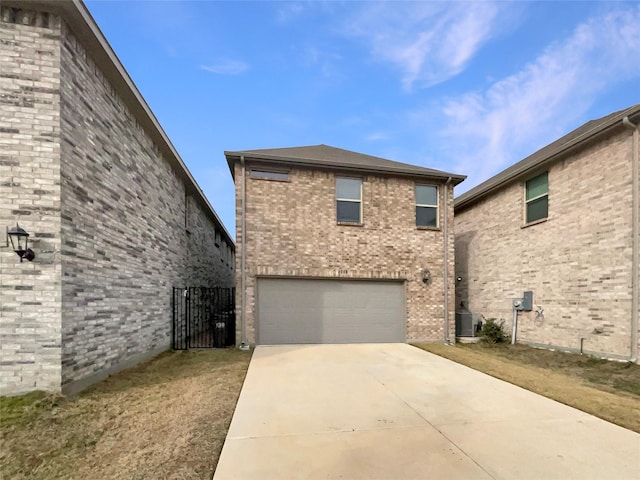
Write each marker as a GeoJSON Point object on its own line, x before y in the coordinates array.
{"type": "Point", "coordinates": [465, 326]}
{"type": "Point", "coordinates": [525, 303]}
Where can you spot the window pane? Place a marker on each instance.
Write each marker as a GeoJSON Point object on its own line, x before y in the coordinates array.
{"type": "Point", "coordinates": [269, 175]}
{"type": "Point", "coordinates": [426, 195]}
{"type": "Point", "coordinates": [538, 209]}
{"type": "Point", "coordinates": [426, 216]}
{"type": "Point", "coordinates": [538, 186]}
{"type": "Point", "coordinates": [348, 188]}
{"type": "Point", "coordinates": [349, 212]}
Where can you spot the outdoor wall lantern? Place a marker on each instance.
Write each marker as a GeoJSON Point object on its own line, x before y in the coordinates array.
{"type": "Point", "coordinates": [20, 242]}
{"type": "Point", "coordinates": [426, 276]}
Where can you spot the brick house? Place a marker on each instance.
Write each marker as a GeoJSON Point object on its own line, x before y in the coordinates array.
{"type": "Point", "coordinates": [340, 247]}
{"type": "Point", "coordinates": [113, 214]}
{"type": "Point", "coordinates": [562, 223]}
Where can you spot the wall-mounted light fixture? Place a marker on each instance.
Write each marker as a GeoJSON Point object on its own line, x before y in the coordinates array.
{"type": "Point", "coordinates": [426, 276]}
{"type": "Point", "coordinates": [20, 242]}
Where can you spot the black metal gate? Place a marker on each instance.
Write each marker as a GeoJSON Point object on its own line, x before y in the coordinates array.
{"type": "Point", "coordinates": [203, 317]}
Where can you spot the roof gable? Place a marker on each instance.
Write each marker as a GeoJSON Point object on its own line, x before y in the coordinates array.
{"type": "Point", "coordinates": [325, 156]}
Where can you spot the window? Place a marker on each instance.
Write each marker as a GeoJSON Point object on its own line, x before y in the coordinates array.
{"type": "Point", "coordinates": [349, 200]}
{"type": "Point", "coordinates": [426, 206]}
{"type": "Point", "coordinates": [537, 198]}
{"type": "Point", "coordinates": [269, 175]}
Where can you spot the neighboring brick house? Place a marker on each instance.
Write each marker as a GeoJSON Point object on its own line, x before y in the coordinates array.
{"type": "Point", "coordinates": [338, 245]}
{"type": "Point", "coordinates": [562, 223]}
{"type": "Point", "coordinates": [116, 219]}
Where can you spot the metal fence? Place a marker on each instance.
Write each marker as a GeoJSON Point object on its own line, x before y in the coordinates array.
{"type": "Point", "coordinates": [203, 317]}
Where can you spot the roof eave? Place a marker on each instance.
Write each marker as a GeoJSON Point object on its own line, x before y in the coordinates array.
{"type": "Point", "coordinates": [499, 181]}
{"type": "Point", "coordinates": [233, 157]}
{"type": "Point", "coordinates": [85, 28]}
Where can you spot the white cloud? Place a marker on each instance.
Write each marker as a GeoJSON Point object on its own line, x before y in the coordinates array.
{"type": "Point", "coordinates": [377, 136]}
{"type": "Point", "coordinates": [226, 66]}
{"type": "Point", "coordinates": [325, 60]}
{"type": "Point", "coordinates": [429, 42]}
{"type": "Point", "coordinates": [521, 113]}
{"type": "Point", "coordinates": [287, 11]}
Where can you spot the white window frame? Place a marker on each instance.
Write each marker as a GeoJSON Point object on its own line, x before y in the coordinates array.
{"type": "Point", "coordinates": [338, 199]}
{"type": "Point", "coordinates": [436, 206]}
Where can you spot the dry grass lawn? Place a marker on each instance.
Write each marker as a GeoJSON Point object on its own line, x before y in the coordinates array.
{"type": "Point", "coordinates": [607, 389]}
{"type": "Point", "coordinates": [165, 419]}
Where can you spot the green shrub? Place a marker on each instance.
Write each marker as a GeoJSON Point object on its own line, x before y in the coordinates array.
{"type": "Point", "coordinates": [493, 331]}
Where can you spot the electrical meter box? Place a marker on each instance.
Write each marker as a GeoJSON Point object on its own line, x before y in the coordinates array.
{"type": "Point", "coordinates": [524, 304]}
{"type": "Point", "coordinates": [527, 301]}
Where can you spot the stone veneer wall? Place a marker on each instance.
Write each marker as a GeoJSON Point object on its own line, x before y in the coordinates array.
{"type": "Point", "coordinates": [577, 263]}
{"type": "Point", "coordinates": [114, 226]}
{"type": "Point", "coordinates": [292, 231]}
{"type": "Point", "coordinates": [30, 292]}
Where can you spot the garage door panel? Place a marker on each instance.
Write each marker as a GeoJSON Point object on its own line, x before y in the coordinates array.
{"type": "Point", "coordinates": [330, 311]}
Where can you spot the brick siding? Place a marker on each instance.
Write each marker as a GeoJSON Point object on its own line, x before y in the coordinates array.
{"type": "Point", "coordinates": [114, 226]}
{"type": "Point", "coordinates": [30, 292]}
{"type": "Point", "coordinates": [292, 231]}
{"type": "Point", "coordinates": [577, 263]}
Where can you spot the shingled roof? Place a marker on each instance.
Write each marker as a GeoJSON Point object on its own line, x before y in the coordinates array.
{"type": "Point", "coordinates": [547, 155]}
{"type": "Point", "coordinates": [325, 156]}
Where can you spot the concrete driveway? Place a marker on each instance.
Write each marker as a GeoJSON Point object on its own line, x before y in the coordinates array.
{"type": "Point", "coordinates": [392, 411]}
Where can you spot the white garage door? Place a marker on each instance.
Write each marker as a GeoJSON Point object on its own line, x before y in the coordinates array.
{"type": "Point", "coordinates": [330, 311]}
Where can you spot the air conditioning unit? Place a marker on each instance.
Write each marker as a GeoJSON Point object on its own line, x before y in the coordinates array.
{"type": "Point", "coordinates": [466, 325]}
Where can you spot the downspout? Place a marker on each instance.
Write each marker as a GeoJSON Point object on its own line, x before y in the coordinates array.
{"type": "Point", "coordinates": [635, 229]}
{"type": "Point", "coordinates": [445, 246]}
{"type": "Point", "coordinates": [243, 254]}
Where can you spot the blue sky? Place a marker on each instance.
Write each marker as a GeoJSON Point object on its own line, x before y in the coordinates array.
{"type": "Point", "coordinates": [469, 88]}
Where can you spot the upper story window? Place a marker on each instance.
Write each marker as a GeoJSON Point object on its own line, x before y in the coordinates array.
{"type": "Point", "coordinates": [426, 206]}
{"type": "Point", "coordinates": [537, 198]}
{"type": "Point", "coordinates": [269, 175]}
{"type": "Point", "coordinates": [349, 200]}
